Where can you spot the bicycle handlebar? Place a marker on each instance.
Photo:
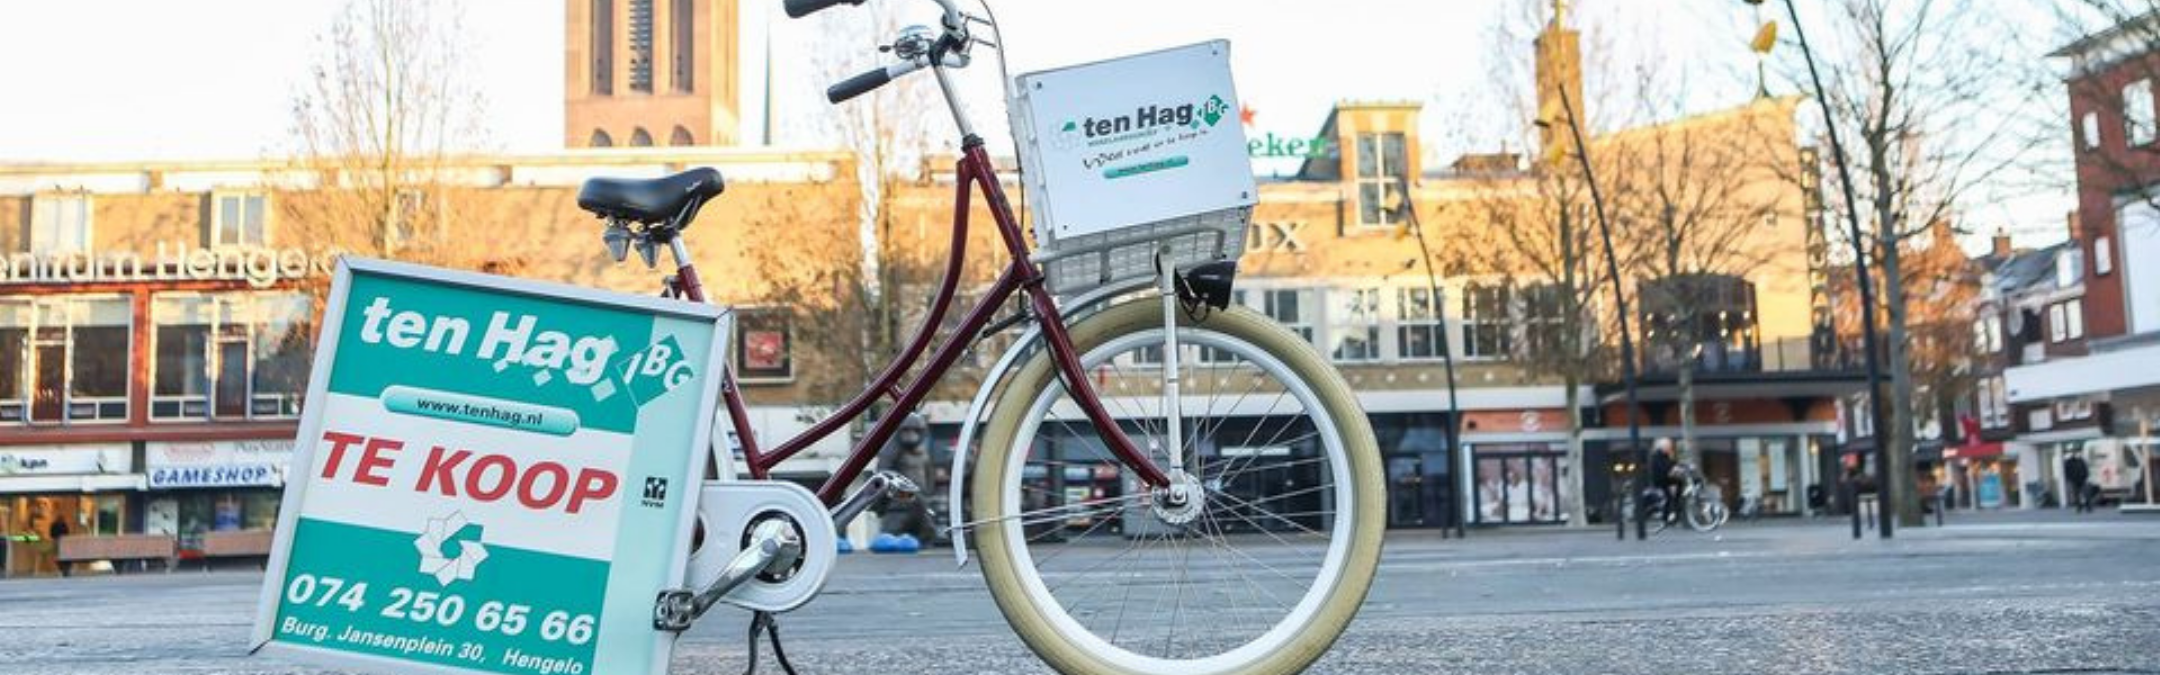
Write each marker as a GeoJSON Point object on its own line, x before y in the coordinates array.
{"type": "Point", "coordinates": [868, 81]}
{"type": "Point", "coordinates": [797, 9]}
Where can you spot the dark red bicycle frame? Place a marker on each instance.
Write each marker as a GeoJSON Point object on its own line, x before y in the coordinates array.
{"type": "Point", "coordinates": [974, 169]}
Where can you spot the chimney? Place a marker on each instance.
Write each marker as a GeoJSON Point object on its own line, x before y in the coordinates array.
{"type": "Point", "coordinates": [2002, 243]}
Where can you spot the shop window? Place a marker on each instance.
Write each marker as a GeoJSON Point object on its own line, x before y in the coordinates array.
{"type": "Point", "coordinates": [59, 224]}
{"type": "Point", "coordinates": [2138, 113]}
{"type": "Point", "coordinates": [1355, 325]}
{"type": "Point", "coordinates": [1519, 484]}
{"type": "Point", "coordinates": [1418, 331]}
{"type": "Point", "coordinates": [1382, 162]}
{"type": "Point", "coordinates": [64, 360]}
{"type": "Point", "coordinates": [764, 345]}
{"type": "Point", "coordinates": [1488, 331]}
{"type": "Point", "coordinates": [239, 220]}
{"type": "Point", "coordinates": [229, 357]}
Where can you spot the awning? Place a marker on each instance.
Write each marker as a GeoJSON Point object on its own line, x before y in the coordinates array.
{"type": "Point", "coordinates": [1973, 451]}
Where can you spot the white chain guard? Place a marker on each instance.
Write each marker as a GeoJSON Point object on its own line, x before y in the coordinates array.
{"type": "Point", "coordinates": [726, 508]}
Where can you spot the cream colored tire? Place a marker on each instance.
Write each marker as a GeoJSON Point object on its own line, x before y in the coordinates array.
{"type": "Point", "coordinates": [1352, 552]}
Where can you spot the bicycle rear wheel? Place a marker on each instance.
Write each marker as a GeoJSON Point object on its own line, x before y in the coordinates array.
{"type": "Point", "coordinates": [1259, 575]}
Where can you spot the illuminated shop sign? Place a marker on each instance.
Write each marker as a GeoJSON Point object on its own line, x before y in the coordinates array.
{"type": "Point", "coordinates": [217, 464]}
{"type": "Point", "coordinates": [259, 267]}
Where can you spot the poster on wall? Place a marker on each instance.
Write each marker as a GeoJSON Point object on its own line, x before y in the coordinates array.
{"type": "Point", "coordinates": [492, 476]}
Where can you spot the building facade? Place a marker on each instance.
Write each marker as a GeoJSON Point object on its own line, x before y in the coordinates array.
{"type": "Point", "coordinates": [645, 73]}
{"type": "Point", "coordinates": [2109, 378]}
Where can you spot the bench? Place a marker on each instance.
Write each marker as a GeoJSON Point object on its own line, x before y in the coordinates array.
{"type": "Point", "coordinates": [208, 547]}
{"type": "Point", "coordinates": [141, 548]}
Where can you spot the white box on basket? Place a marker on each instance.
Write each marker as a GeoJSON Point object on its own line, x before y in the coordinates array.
{"type": "Point", "coordinates": [1132, 141]}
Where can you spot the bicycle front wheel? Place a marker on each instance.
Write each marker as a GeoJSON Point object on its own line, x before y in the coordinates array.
{"type": "Point", "coordinates": [1260, 574]}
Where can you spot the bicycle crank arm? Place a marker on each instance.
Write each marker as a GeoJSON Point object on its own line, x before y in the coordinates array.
{"type": "Point", "coordinates": [773, 545]}
{"type": "Point", "coordinates": [879, 484]}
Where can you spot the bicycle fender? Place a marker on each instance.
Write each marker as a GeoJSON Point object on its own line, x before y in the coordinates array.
{"type": "Point", "coordinates": [955, 511]}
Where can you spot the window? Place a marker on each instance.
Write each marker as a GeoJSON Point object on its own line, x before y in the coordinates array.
{"type": "Point", "coordinates": [682, 16]}
{"type": "Point", "coordinates": [1288, 306]}
{"type": "Point", "coordinates": [2058, 327]}
{"type": "Point", "coordinates": [1485, 322]}
{"type": "Point", "coordinates": [764, 345]}
{"type": "Point", "coordinates": [239, 220]}
{"type": "Point", "coordinates": [1381, 164]}
{"type": "Point", "coordinates": [2069, 267]}
{"type": "Point", "coordinates": [603, 49]}
{"type": "Point", "coordinates": [64, 359]}
{"type": "Point", "coordinates": [406, 225]}
{"type": "Point", "coordinates": [1545, 308]}
{"type": "Point", "coordinates": [229, 357]}
{"type": "Point", "coordinates": [59, 224]}
{"type": "Point", "coordinates": [1994, 335]}
{"type": "Point", "coordinates": [1418, 332]}
{"type": "Point", "coordinates": [601, 139]}
{"type": "Point", "coordinates": [640, 139]}
{"type": "Point", "coordinates": [2074, 317]}
{"type": "Point", "coordinates": [1994, 403]}
{"type": "Point", "coordinates": [2103, 256]}
{"type": "Point", "coordinates": [2091, 130]}
{"type": "Point", "coordinates": [2138, 113]}
{"type": "Point", "coordinates": [681, 137]}
{"type": "Point", "coordinates": [641, 45]}
{"type": "Point", "coordinates": [1355, 328]}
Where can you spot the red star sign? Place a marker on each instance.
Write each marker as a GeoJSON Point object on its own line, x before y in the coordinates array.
{"type": "Point", "coordinates": [1245, 115]}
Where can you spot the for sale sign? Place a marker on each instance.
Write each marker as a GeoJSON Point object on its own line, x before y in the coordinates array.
{"type": "Point", "coordinates": [492, 475]}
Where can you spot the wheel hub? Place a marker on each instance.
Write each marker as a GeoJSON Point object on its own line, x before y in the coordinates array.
{"type": "Point", "coordinates": [1180, 502]}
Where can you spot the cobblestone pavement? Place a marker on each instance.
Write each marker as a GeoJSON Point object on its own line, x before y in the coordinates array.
{"type": "Point", "coordinates": [2016, 593]}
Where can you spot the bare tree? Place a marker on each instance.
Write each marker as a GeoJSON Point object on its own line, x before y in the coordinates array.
{"type": "Point", "coordinates": [857, 291]}
{"type": "Point", "coordinates": [1927, 90]}
{"type": "Point", "coordinates": [386, 110]}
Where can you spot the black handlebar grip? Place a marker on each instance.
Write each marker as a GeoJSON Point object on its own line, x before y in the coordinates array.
{"type": "Point", "coordinates": [858, 85]}
{"type": "Point", "coordinates": [797, 9]}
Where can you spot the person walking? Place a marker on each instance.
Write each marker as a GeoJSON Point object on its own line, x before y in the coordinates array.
{"type": "Point", "coordinates": [58, 529]}
{"type": "Point", "coordinates": [2076, 472]}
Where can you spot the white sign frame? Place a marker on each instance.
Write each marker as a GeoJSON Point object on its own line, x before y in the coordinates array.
{"type": "Point", "coordinates": [312, 427]}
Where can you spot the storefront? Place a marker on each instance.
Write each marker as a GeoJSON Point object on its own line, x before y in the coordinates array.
{"type": "Point", "coordinates": [213, 486]}
{"type": "Point", "coordinates": [74, 490]}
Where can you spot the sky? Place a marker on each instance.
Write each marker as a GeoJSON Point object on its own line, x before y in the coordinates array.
{"type": "Point", "coordinates": [202, 79]}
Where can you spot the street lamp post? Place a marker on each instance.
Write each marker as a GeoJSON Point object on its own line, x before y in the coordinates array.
{"type": "Point", "coordinates": [1885, 487]}
{"type": "Point", "coordinates": [1627, 340]}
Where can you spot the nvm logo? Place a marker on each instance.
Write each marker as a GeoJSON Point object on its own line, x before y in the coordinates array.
{"type": "Point", "coordinates": [655, 491]}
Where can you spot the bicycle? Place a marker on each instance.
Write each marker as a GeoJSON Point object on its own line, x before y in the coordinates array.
{"type": "Point", "coordinates": [1243, 564]}
{"type": "Point", "coordinates": [1702, 504]}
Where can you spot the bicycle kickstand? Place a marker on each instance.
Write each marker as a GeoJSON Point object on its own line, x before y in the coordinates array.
{"type": "Point", "coordinates": [764, 622]}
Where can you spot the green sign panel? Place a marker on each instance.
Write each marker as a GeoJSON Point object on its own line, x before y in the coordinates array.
{"type": "Point", "coordinates": [492, 476]}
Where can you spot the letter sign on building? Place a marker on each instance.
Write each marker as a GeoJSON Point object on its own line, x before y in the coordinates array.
{"type": "Point", "coordinates": [472, 490]}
